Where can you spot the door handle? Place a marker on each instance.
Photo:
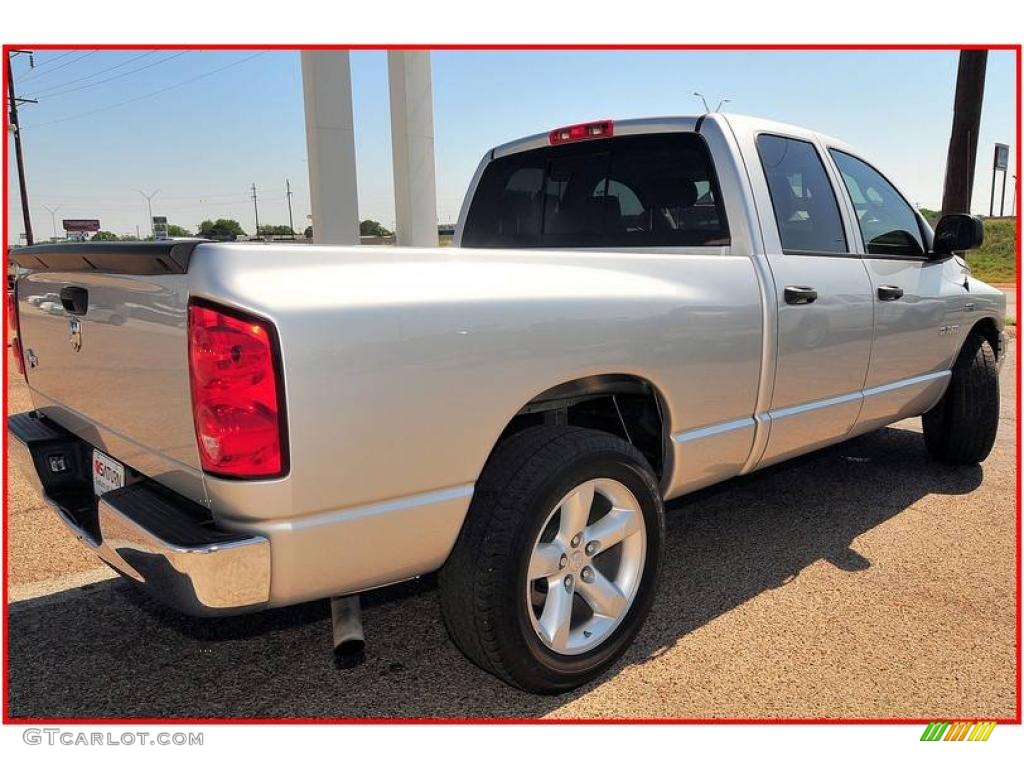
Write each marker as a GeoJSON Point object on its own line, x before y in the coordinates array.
{"type": "Point", "coordinates": [889, 292]}
{"type": "Point", "coordinates": [74, 299]}
{"type": "Point", "coordinates": [800, 294]}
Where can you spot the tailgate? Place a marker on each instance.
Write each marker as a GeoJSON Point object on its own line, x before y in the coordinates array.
{"type": "Point", "coordinates": [103, 332]}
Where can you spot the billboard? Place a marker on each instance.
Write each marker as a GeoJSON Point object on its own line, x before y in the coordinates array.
{"type": "Point", "coordinates": [81, 225]}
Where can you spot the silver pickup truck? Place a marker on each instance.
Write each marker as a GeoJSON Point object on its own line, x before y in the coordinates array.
{"type": "Point", "coordinates": [632, 310]}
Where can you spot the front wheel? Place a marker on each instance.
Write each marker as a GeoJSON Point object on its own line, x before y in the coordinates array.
{"type": "Point", "coordinates": [556, 567]}
{"type": "Point", "coordinates": [961, 428]}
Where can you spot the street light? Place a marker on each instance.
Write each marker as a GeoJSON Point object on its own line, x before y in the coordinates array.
{"type": "Point", "coordinates": [149, 202]}
{"type": "Point", "coordinates": [700, 96]}
{"type": "Point", "coordinates": [53, 218]}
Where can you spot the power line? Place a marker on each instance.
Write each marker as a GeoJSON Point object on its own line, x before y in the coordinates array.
{"type": "Point", "coordinates": [12, 103]}
{"type": "Point", "coordinates": [51, 95]}
{"type": "Point", "coordinates": [146, 95]}
{"type": "Point", "coordinates": [100, 72]}
{"type": "Point", "coordinates": [34, 69]}
{"type": "Point", "coordinates": [36, 76]}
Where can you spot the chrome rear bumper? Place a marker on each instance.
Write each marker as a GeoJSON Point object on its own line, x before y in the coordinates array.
{"type": "Point", "coordinates": [147, 533]}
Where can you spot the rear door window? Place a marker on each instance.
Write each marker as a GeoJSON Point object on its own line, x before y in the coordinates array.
{"type": "Point", "coordinates": [650, 190]}
{"type": "Point", "coordinates": [805, 204]}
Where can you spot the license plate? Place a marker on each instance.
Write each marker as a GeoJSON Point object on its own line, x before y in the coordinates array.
{"type": "Point", "coordinates": [107, 474]}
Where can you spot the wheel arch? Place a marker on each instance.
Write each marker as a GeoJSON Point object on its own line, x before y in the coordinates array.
{"type": "Point", "coordinates": [989, 329]}
{"type": "Point", "coordinates": [627, 405]}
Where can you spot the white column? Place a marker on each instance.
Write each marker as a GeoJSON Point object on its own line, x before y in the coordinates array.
{"type": "Point", "coordinates": [412, 144]}
{"type": "Point", "coordinates": [331, 147]}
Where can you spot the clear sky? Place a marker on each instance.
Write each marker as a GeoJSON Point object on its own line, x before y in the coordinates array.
{"type": "Point", "coordinates": [202, 126]}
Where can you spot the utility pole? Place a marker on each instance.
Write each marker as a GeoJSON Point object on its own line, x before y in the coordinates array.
{"type": "Point", "coordinates": [963, 140]}
{"type": "Point", "coordinates": [288, 194]}
{"type": "Point", "coordinates": [256, 210]}
{"type": "Point", "coordinates": [13, 102]}
{"type": "Point", "coordinates": [149, 203]}
{"type": "Point", "coordinates": [1002, 199]}
{"type": "Point", "coordinates": [53, 218]}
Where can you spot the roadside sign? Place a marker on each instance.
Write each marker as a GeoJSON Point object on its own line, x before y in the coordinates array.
{"type": "Point", "coordinates": [160, 227]}
{"type": "Point", "coordinates": [1001, 161]}
{"type": "Point", "coordinates": [81, 225]}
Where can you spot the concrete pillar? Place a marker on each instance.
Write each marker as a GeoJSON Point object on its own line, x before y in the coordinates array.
{"type": "Point", "coordinates": [412, 144]}
{"type": "Point", "coordinates": [331, 147]}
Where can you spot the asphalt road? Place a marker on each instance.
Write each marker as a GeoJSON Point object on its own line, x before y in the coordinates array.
{"type": "Point", "coordinates": [861, 581]}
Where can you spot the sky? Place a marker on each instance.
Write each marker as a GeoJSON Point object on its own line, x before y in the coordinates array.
{"type": "Point", "coordinates": [203, 126]}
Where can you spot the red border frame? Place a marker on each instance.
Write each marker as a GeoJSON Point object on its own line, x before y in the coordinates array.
{"type": "Point", "coordinates": [8, 720]}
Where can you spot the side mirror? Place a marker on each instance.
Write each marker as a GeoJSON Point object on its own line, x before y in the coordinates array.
{"type": "Point", "coordinates": [958, 232]}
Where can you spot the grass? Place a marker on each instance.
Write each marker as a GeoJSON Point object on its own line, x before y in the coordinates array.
{"type": "Point", "coordinates": [995, 261]}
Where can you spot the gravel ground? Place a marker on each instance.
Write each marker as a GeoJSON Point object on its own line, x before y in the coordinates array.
{"type": "Point", "coordinates": [862, 581]}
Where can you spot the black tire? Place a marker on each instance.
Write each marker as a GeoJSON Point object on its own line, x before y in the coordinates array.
{"type": "Point", "coordinates": [483, 583]}
{"type": "Point", "coordinates": [961, 428]}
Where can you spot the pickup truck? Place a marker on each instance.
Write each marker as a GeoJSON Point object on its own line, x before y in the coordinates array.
{"type": "Point", "coordinates": [632, 310]}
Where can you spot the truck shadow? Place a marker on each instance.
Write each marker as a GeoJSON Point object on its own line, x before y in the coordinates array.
{"type": "Point", "coordinates": [108, 651]}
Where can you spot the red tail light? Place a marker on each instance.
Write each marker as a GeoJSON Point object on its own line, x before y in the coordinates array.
{"type": "Point", "coordinates": [12, 312]}
{"type": "Point", "coordinates": [600, 129]}
{"type": "Point", "coordinates": [237, 402]}
{"type": "Point", "coordinates": [15, 329]}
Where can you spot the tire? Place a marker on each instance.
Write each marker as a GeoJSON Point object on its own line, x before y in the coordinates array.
{"type": "Point", "coordinates": [519, 500]}
{"type": "Point", "coordinates": [961, 428]}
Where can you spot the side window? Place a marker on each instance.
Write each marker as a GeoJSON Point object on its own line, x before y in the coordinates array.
{"type": "Point", "coordinates": [647, 190]}
{"type": "Point", "coordinates": [887, 223]}
{"type": "Point", "coordinates": [805, 205]}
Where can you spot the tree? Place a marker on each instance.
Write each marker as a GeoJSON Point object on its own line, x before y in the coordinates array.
{"type": "Point", "coordinates": [275, 229]}
{"type": "Point", "coordinates": [371, 228]}
{"type": "Point", "coordinates": [104, 235]}
{"type": "Point", "coordinates": [221, 229]}
{"type": "Point", "coordinates": [173, 230]}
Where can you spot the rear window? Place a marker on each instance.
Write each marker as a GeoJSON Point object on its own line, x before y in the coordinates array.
{"type": "Point", "coordinates": [651, 190]}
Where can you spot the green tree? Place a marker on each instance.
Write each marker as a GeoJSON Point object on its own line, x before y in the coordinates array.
{"type": "Point", "coordinates": [221, 229]}
{"type": "Point", "coordinates": [275, 229]}
{"type": "Point", "coordinates": [173, 230]}
{"type": "Point", "coordinates": [104, 235]}
{"type": "Point", "coordinates": [371, 228]}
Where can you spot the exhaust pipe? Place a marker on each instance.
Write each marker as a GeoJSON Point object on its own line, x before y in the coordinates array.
{"type": "Point", "coordinates": [347, 628]}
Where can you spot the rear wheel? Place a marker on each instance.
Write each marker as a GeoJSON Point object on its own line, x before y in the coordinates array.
{"type": "Point", "coordinates": [556, 567]}
{"type": "Point", "coordinates": [961, 428]}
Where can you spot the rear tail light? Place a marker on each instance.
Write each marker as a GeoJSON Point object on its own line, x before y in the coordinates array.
{"type": "Point", "coordinates": [15, 329]}
{"type": "Point", "coordinates": [599, 129]}
{"type": "Point", "coordinates": [237, 393]}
